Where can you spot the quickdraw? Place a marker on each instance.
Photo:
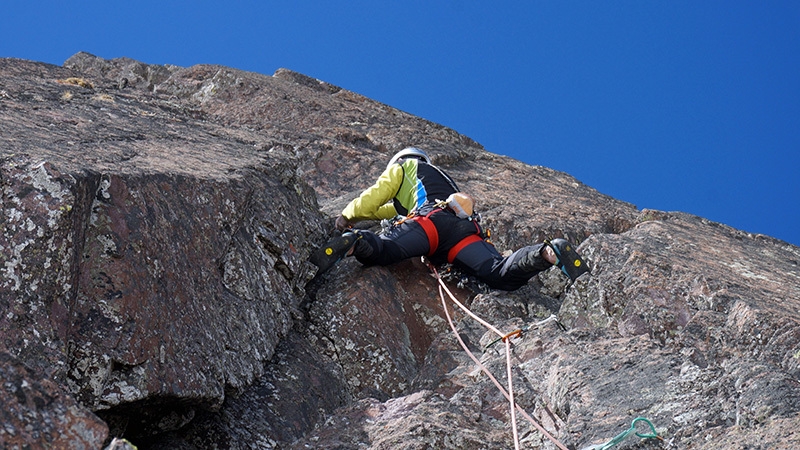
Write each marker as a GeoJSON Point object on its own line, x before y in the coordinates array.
{"type": "Point", "coordinates": [518, 332]}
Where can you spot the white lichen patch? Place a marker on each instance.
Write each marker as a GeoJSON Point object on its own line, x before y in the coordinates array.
{"type": "Point", "coordinates": [102, 189]}
{"type": "Point", "coordinates": [123, 392]}
{"type": "Point", "coordinates": [108, 244]}
{"type": "Point", "coordinates": [110, 311]}
{"type": "Point", "coordinates": [14, 266]}
{"type": "Point", "coordinates": [41, 180]}
{"type": "Point", "coordinates": [30, 222]}
{"type": "Point", "coordinates": [13, 215]}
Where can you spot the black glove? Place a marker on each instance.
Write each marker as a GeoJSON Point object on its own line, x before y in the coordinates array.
{"type": "Point", "coordinates": [342, 223]}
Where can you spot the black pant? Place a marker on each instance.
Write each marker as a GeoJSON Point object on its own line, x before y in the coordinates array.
{"type": "Point", "coordinates": [481, 259]}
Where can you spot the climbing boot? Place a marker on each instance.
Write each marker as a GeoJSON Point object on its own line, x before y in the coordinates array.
{"type": "Point", "coordinates": [569, 261]}
{"type": "Point", "coordinates": [333, 251]}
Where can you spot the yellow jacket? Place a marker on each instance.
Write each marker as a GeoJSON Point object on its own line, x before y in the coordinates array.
{"type": "Point", "coordinates": [401, 189]}
{"type": "Point", "coordinates": [376, 201]}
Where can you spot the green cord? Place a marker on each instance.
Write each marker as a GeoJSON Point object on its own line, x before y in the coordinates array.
{"type": "Point", "coordinates": [621, 437]}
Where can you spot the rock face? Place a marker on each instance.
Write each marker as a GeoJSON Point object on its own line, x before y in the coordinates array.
{"type": "Point", "coordinates": [154, 285]}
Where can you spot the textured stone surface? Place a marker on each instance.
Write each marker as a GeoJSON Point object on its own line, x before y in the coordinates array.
{"type": "Point", "coordinates": [36, 413]}
{"type": "Point", "coordinates": [148, 260]}
{"type": "Point", "coordinates": [154, 284]}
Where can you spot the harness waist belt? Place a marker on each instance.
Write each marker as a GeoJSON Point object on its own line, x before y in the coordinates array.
{"type": "Point", "coordinates": [433, 236]}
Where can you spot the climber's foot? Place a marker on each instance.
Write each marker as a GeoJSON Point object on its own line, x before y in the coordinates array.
{"type": "Point", "coordinates": [568, 260]}
{"type": "Point", "coordinates": [333, 251]}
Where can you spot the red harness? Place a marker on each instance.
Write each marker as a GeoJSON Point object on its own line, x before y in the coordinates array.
{"type": "Point", "coordinates": [433, 236]}
{"type": "Point", "coordinates": [462, 244]}
{"type": "Point", "coordinates": [430, 230]}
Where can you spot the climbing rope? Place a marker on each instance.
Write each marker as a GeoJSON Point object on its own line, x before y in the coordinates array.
{"type": "Point", "coordinates": [509, 395]}
{"type": "Point", "coordinates": [621, 437]}
{"type": "Point", "coordinates": [506, 338]}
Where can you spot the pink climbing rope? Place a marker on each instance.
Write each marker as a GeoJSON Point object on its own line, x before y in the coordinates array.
{"type": "Point", "coordinates": [509, 395]}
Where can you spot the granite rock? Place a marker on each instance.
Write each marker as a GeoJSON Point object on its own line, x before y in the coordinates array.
{"type": "Point", "coordinates": [155, 289]}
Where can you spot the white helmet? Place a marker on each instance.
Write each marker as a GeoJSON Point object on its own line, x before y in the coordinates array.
{"type": "Point", "coordinates": [409, 151]}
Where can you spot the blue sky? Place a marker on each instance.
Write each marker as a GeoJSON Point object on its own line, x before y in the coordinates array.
{"type": "Point", "coordinates": [671, 105]}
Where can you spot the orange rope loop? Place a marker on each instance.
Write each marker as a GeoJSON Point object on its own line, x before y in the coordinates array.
{"type": "Point", "coordinates": [513, 334]}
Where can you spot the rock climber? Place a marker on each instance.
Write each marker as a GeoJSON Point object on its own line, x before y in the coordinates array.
{"type": "Point", "coordinates": [432, 217]}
